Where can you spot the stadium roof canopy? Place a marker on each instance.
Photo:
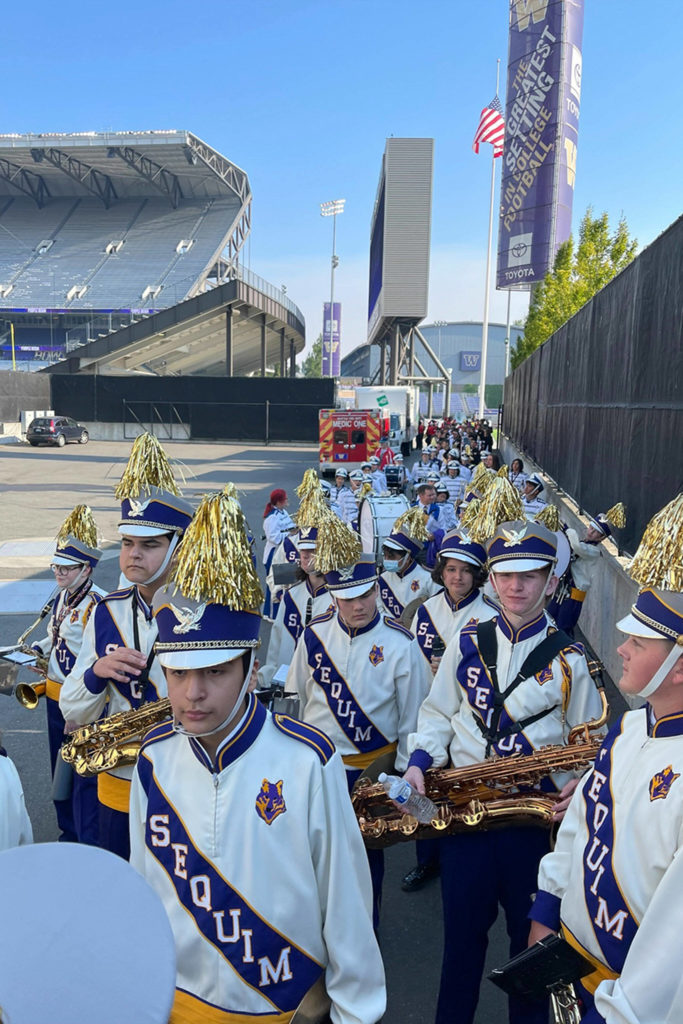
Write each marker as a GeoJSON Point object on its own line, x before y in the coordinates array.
{"type": "Point", "coordinates": [115, 166]}
{"type": "Point", "coordinates": [100, 227]}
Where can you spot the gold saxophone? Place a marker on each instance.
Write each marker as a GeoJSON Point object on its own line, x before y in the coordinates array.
{"type": "Point", "coordinates": [115, 741]}
{"type": "Point", "coordinates": [496, 793]}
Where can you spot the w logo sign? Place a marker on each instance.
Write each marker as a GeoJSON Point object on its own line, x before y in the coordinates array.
{"type": "Point", "coordinates": [528, 10]}
{"type": "Point", "coordinates": [469, 361]}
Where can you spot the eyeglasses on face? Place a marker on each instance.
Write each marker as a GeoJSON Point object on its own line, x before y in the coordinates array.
{"type": "Point", "coordinates": [64, 570]}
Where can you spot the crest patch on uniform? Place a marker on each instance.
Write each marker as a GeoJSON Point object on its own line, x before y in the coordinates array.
{"type": "Point", "coordinates": [544, 676]}
{"type": "Point", "coordinates": [376, 655]}
{"type": "Point", "coordinates": [74, 616]}
{"type": "Point", "coordinates": [415, 585]}
{"type": "Point", "coordinates": [270, 802]}
{"type": "Point", "coordinates": [661, 783]}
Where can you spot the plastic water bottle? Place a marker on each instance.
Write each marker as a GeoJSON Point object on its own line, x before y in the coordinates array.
{"type": "Point", "coordinates": [421, 807]}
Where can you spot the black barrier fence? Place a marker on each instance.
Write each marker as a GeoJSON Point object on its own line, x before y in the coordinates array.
{"type": "Point", "coordinates": [600, 405]}
{"type": "Point", "coordinates": [213, 408]}
{"type": "Point", "coordinates": [267, 422]}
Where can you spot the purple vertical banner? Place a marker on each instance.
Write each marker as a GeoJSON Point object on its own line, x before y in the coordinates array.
{"type": "Point", "coordinates": [541, 131]}
{"type": "Point", "coordinates": [331, 340]}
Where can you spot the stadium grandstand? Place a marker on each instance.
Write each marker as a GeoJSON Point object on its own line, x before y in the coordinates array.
{"type": "Point", "coordinates": [120, 252]}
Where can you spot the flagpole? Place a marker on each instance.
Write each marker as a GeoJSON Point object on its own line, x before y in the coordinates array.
{"type": "Point", "coordinates": [485, 323]}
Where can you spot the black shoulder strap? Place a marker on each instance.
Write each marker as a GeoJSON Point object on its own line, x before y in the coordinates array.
{"type": "Point", "coordinates": [539, 658]}
{"type": "Point", "coordinates": [143, 678]}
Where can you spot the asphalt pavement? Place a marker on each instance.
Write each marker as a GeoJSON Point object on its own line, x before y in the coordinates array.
{"type": "Point", "coordinates": [39, 487]}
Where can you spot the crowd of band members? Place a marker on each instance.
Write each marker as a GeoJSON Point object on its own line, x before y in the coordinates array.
{"type": "Point", "coordinates": [369, 685]}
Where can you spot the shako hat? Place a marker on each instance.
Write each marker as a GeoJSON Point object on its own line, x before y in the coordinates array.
{"type": "Point", "coordinates": [209, 611]}
{"type": "Point", "coordinates": [77, 539]}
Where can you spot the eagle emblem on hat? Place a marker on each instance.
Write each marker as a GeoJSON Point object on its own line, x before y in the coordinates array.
{"type": "Point", "coordinates": [661, 783]}
{"type": "Point", "coordinates": [376, 655]}
{"type": "Point", "coordinates": [137, 507]}
{"type": "Point", "coordinates": [305, 532]}
{"type": "Point", "coordinates": [270, 803]}
{"type": "Point", "coordinates": [513, 537]}
{"type": "Point", "coordinates": [346, 574]}
{"type": "Point", "coordinates": [188, 618]}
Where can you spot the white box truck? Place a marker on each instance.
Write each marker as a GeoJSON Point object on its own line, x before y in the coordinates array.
{"type": "Point", "coordinates": [401, 404]}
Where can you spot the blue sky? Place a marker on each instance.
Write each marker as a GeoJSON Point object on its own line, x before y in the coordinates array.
{"type": "Point", "coordinates": [302, 96]}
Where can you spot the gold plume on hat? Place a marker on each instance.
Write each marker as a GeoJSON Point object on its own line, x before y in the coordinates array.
{"type": "Point", "coordinates": [549, 517]}
{"type": "Point", "coordinates": [230, 490]}
{"type": "Point", "coordinates": [312, 503]}
{"type": "Point", "coordinates": [364, 489]}
{"type": "Point", "coordinates": [309, 482]}
{"type": "Point", "coordinates": [148, 466]}
{"type": "Point", "coordinates": [658, 562]}
{"type": "Point", "coordinates": [214, 561]}
{"type": "Point", "coordinates": [469, 513]}
{"type": "Point", "coordinates": [616, 515]}
{"type": "Point", "coordinates": [79, 524]}
{"type": "Point", "coordinates": [337, 546]}
{"type": "Point", "coordinates": [413, 523]}
{"type": "Point", "coordinates": [501, 504]}
{"type": "Point", "coordinates": [481, 480]}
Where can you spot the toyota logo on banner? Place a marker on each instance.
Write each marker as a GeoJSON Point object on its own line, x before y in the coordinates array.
{"type": "Point", "coordinates": [470, 362]}
{"type": "Point", "coordinates": [519, 253]}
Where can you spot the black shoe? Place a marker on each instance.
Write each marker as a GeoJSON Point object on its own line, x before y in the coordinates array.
{"type": "Point", "coordinates": [419, 876]}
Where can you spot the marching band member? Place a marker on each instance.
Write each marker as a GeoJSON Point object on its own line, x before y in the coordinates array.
{"type": "Point", "coordinates": [15, 824]}
{"type": "Point", "coordinates": [461, 571]}
{"type": "Point", "coordinates": [359, 674]}
{"type": "Point", "coordinates": [531, 496]}
{"type": "Point", "coordinates": [300, 604]}
{"type": "Point", "coordinates": [455, 482]}
{"type": "Point", "coordinates": [403, 580]}
{"type": "Point", "coordinates": [240, 820]}
{"type": "Point", "coordinates": [277, 524]}
{"type": "Point", "coordinates": [379, 480]}
{"type": "Point", "coordinates": [447, 520]}
{"type": "Point", "coordinates": [422, 468]}
{"type": "Point", "coordinates": [344, 497]}
{"type": "Point", "coordinates": [75, 557]}
{"type": "Point", "coordinates": [612, 885]}
{"type": "Point", "coordinates": [513, 684]}
{"type": "Point", "coordinates": [567, 601]}
{"type": "Point", "coordinates": [116, 669]}
{"type": "Point", "coordinates": [517, 475]}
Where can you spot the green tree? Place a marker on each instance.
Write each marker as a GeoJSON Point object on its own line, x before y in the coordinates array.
{"type": "Point", "coordinates": [313, 363]}
{"type": "Point", "coordinates": [578, 273]}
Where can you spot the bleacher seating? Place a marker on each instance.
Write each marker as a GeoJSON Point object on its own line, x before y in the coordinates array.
{"type": "Point", "coordinates": [82, 228]}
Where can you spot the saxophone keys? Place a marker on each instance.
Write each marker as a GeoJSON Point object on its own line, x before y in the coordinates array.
{"type": "Point", "coordinates": [474, 813]}
{"type": "Point", "coordinates": [443, 819]}
{"type": "Point", "coordinates": [408, 825]}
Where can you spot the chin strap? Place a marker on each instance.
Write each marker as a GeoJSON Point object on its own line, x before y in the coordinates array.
{"type": "Point", "coordinates": [662, 672]}
{"type": "Point", "coordinates": [177, 727]}
{"type": "Point", "coordinates": [77, 582]}
{"type": "Point", "coordinates": [175, 540]}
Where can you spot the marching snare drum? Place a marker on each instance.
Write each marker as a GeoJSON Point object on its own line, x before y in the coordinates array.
{"type": "Point", "coordinates": [377, 515]}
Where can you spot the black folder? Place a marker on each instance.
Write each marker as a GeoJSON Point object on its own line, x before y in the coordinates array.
{"type": "Point", "coordinates": [533, 972]}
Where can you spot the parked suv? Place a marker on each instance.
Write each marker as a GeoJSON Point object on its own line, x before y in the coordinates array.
{"type": "Point", "coordinates": [56, 430]}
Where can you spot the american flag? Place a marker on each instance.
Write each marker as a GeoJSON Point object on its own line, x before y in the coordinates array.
{"type": "Point", "coordinates": [491, 127]}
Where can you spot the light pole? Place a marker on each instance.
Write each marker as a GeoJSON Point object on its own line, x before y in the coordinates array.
{"type": "Point", "coordinates": [331, 209]}
{"type": "Point", "coordinates": [440, 324]}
